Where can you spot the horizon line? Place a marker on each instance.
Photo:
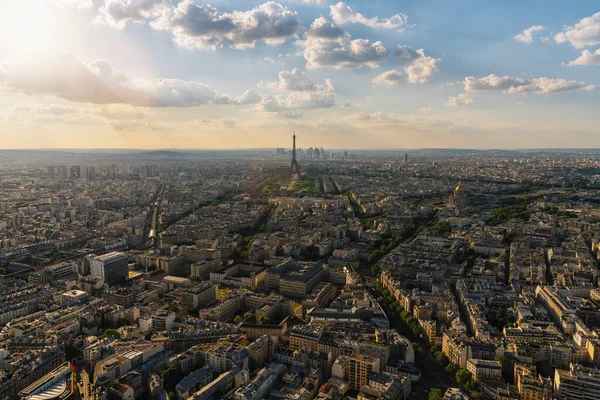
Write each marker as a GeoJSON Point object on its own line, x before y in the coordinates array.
{"type": "Point", "coordinates": [183, 149]}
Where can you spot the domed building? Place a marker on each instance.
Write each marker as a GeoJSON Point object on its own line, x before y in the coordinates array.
{"type": "Point", "coordinates": [458, 198]}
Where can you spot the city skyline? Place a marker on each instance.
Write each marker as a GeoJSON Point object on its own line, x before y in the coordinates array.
{"type": "Point", "coordinates": [158, 74]}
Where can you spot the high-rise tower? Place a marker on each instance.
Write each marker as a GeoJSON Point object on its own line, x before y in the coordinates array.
{"type": "Point", "coordinates": [295, 167]}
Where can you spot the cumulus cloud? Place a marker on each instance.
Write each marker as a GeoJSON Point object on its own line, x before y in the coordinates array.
{"type": "Point", "coordinates": [509, 84]}
{"type": "Point", "coordinates": [322, 28]}
{"type": "Point", "coordinates": [585, 33]}
{"type": "Point", "coordinates": [587, 58]}
{"type": "Point", "coordinates": [341, 13]}
{"type": "Point", "coordinates": [202, 26]}
{"type": "Point", "coordinates": [327, 46]}
{"type": "Point", "coordinates": [296, 80]}
{"type": "Point", "coordinates": [119, 13]}
{"type": "Point", "coordinates": [407, 54]}
{"type": "Point", "coordinates": [299, 93]}
{"type": "Point", "coordinates": [389, 78]}
{"type": "Point", "coordinates": [527, 35]}
{"type": "Point", "coordinates": [249, 97]}
{"type": "Point", "coordinates": [312, 2]}
{"type": "Point", "coordinates": [66, 77]}
{"type": "Point", "coordinates": [460, 100]}
{"type": "Point", "coordinates": [419, 68]}
{"type": "Point", "coordinates": [298, 101]}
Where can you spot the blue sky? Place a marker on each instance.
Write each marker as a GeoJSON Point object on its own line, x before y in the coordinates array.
{"type": "Point", "coordinates": [241, 74]}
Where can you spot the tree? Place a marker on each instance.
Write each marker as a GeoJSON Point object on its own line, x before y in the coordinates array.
{"type": "Point", "coordinates": [472, 386]}
{"type": "Point", "coordinates": [510, 319]}
{"type": "Point", "coordinates": [463, 376]}
{"type": "Point", "coordinates": [171, 377]}
{"type": "Point", "coordinates": [433, 349]}
{"type": "Point", "coordinates": [2, 271]}
{"type": "Point", "coordinates": [263, 320]}
{"type": "Point", "coordinates": [237, 319]}
{"type": "Point", "coordinates": [123, 321]}
{"type": "Point", "coordinates": [441, 358]}
{"type": "Point", "coordinates": [376, 269]}
{"type": "Point", "coordinates": [450, 368]}
{"type": "Point", "coordinates": [248, 317]}
{"type": "Point", "coordinates": [436, 394]}
{"type": "Point", "coordinates": [112, 333]}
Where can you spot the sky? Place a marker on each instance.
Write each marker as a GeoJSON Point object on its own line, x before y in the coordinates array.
{"type": "Point", "coordinates": [154, 74]}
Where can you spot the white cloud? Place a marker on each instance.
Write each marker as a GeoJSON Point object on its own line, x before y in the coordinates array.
{"type": "Point", "coordinates": [519, 85]}
{"type": "Point", "coordinates": [422, 68]}
{"type": "Point", "coordinates": [324, 29]}
{"type": "Point", "coordinates": [460, 100]}
{"type": "Point", "coordinates": [298, 101]}
{"type": "Point", "coordinates": [418, 70]}
{"type": "Point", "coordinates": [407, 54]}
{"type": "Point", "coordinates": [527, 35]}
{"type": "Point", "coordinates": [585, 33]}
{"type": "Point", "coordinates": [587, 58]}
{"type": "Point", "coordinates": [66, 77]}
{"type": "Point", "coordinates": [202, 26]}
{"type": "Point", "coordinates": [249, 97]}
{"type": "Point", "coordinates": [119, 13]}
{"type": "Point", "coordinates": [300, 93]}
{"type": "Point", "coordinates": [312, 2]}
{"type": "Point", "coordinates": [389, 78]}
{"type": "Point", "coordinates": [295, 80]}
{"type": "Point", "coordinates": [341, 14]}
{"type": "Point", "coordinates": [328, 46]}
{"type": "Point", "coordinates": [346, 104]}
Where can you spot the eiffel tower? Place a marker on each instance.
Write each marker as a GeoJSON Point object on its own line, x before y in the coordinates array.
{"type": "Point", "coordinates": [294, 166]}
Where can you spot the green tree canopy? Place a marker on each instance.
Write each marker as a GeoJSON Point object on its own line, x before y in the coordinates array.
{"type": "Point", "coordinates": [112, 333]}
{"type": "Point", "coordinates": [463, 376]}
{"type": "Point", "coordinates": [123, 321]}
{"type": "Point", "coordinates": [436, 394]}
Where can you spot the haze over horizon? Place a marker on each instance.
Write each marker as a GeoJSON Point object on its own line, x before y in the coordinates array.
{"type": "Point", "coordinates": [169, 74]}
